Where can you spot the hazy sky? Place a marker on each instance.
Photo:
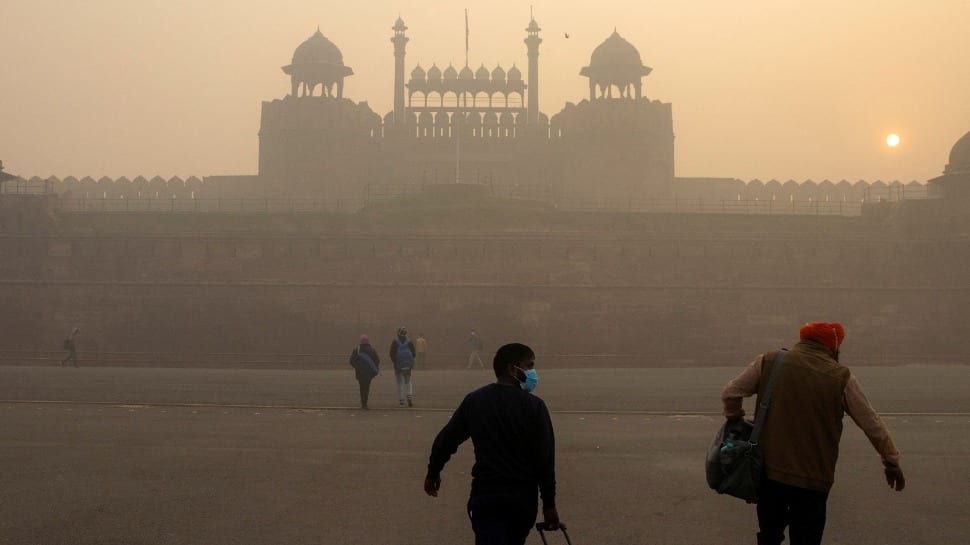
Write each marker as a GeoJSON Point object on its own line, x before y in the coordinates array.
{"type": "Point", "coordinates": [760, 89]}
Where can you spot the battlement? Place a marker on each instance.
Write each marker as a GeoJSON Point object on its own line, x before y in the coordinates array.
{"type": "Point", "coordinates": [713, 195]}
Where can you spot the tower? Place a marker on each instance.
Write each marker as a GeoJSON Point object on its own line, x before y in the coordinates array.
{"type": "Point", "coordinates": [532, 42]}
{"type": "Point", "coordinates": [616, 152]}
{"type": "Point", "coordinates": [313, 146]}
{"type": "Point", "coordinates": [400, 42]}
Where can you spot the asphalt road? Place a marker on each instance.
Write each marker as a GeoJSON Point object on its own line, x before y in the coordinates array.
{"type": "Point", "coordinates": [176, 456]}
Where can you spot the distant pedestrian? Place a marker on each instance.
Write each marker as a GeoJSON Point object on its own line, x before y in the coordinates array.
{"type": "Point", "coordinates": [421, 349]}
{"type": "Point", "coordinates": [402, 354]}
{"type": "Point", "coordinates": [515, 452]}
{"type": "Point", "coordinates": [475, 345]}
{"type": "Point", "coordinates": [802, 429]}
{"type": "Point", "coordinates": [366, 364]}
{"type": "Point", "coordinates": [70, 344]}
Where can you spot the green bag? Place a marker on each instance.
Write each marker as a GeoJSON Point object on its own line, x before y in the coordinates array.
{"type": "Point", "coordinates": [735, 463]}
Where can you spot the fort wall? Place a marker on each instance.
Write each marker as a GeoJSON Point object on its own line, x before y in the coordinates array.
{"type": "Point", "coordinates": [705, 292]}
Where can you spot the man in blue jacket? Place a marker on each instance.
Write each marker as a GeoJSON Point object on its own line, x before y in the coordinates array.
{"type": "Point", "coordinates": [515, 460]}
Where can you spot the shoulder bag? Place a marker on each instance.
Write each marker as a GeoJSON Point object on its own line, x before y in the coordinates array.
{"type": "Point", "coordinates": [735, 463]}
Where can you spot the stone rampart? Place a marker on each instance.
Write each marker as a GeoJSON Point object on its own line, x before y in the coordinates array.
{"type": "Point", "coordinates": [708, 292]}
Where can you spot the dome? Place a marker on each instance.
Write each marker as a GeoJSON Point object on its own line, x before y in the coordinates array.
{"type": "Point", "coordinates": [317, 49]}
{"type": "Point", "coordinates": [451, 73]}
{"type": "Point", "coordinates": [434, 73]}
{"type": "Point", "coordinates": [515, 74]}
{"type": "Point", "coordinates": [498, 74]}
{"type": "Point", "coordinates": [615, 63]}
{"type": "Point", "coordinates": [615, 51]}
{"type": "Point", "coordinates": [482, 73]}
{"type": "Point", "coordinates": [418, 72]}
{"type": "Point", "coordinates": [960, 157]}
{"type": "Point", "coordinates": [466, 73]}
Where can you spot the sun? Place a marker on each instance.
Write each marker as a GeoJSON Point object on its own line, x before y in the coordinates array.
{"type": "Point", "coordinates": [892, 140]}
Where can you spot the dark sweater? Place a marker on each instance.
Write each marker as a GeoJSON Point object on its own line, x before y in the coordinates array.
{"type": "Point", "coordinates": [369, 350]}
{"type": "Point", "coordinates": [513, 438]}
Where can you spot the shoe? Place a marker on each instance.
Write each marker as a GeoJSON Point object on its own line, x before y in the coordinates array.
{"type": "Point", "coordinates": [410, 403]}
{"type": "Point", "coordinates": [364, 408]}
{"type": "Point", "coordinates": [401, 402]}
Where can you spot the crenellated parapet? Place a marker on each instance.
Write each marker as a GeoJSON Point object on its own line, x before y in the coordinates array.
{"type": "Point", "coordinates": [686, 189]}
{"type": "Point", "coordinates": [618, 121]}
{"type": "Point", "coordinates": [139, 187]}
{"type": "Point", "coordinates": [826, 191]}
{"type": "Point", "coordinates": [327, 118]}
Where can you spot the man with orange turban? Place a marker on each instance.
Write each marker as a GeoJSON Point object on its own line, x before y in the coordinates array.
{"type": "Point", "coordinates": [801, 433]}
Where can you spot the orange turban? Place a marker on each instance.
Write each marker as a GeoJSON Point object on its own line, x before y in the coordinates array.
{"type": "Point", "coordinates": [829, 334]}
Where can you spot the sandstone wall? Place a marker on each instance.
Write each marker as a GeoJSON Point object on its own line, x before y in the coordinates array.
{"type": "Point", "coordinates": [675, 298]}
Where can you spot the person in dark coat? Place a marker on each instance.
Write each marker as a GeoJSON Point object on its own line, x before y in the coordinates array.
{"type": "Point", "coordinates": [366, 364]}
{"type": "Point", "coordinates": [515, 460]}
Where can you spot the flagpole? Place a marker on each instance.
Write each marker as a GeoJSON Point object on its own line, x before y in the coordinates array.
{"type": "Point", "coordinates": [458, 124]}
{"type": "Point", "coordinates": [460, 118]}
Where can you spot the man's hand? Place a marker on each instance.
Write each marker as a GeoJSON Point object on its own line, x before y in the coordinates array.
{"type": "Point", "coordinates": [894, 477]}
{"type": "Point", "coordinates": [431, 487]}
{"type": "Point", "coordinates": [550, 519]}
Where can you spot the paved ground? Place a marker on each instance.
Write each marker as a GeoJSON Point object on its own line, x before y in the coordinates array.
{"type": "Point", "coordinates": [174, 456]}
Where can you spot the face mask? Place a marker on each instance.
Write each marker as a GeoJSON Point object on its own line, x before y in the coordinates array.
{"type": "Point", "coordinates": [531, 379]}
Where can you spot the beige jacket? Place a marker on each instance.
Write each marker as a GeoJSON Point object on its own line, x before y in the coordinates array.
{"type": "Point", "coordinates": [801, 435]}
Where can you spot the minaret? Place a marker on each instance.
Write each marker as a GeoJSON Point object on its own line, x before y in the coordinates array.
{"type": "Point", "coordinates": [533, 41]}
{"type": "Point", "coordinates": [400, 41]}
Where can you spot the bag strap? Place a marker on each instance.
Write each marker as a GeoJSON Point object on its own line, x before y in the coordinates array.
{"type": "Point", "coordinates": [759, 418]}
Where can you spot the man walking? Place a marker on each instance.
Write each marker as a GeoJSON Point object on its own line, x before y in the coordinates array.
{"type": "Point", "coordinates": [802, 429]}
{"type": "Point", "coordinates": [514, 452]}
{"type": "Point", "coordinates": [366, 364]}
{"type": "Point", "coordinates": [402, 354]}
{"type": "Point", "coordinates": [475, 350]}
{"type": "Point", "coordinates": [70, 344]}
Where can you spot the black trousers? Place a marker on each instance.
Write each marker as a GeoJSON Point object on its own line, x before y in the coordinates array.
{"type": "Point", "coordinates": [503, 518]}
{"type": "Point", "coordinates": [364, 383]}
{"type": "Point", "coordinates": [800, 509]}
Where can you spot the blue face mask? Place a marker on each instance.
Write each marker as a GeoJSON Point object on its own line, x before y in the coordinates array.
{"type": "Point", "coordinates": [531, 379]}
